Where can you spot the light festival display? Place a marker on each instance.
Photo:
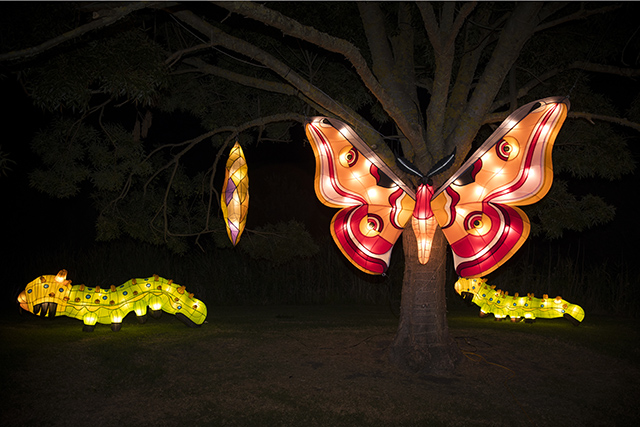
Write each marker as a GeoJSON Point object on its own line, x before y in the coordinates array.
{"type": "Point", "coordinates": [516, 307]}
{"type": "Point", "coordinates": [55, 296]}
{"type": "Point", "coordinates": [235, 194]}
{"type": "Point", "coordinates": [476, 207]}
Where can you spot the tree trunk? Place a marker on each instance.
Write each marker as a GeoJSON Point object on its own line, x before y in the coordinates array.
{"type": "Point", "coordinates": [422, 343]}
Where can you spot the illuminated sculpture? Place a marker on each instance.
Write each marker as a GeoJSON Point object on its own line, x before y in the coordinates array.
{"type": "Point", "coordinates": [235, 194]}
{"type": "Point", "coordinates": [474, 208]}
{"type": "Point", "coordinates": [501, 304]}
{"type": "Point", "coordinates": [54, 296]}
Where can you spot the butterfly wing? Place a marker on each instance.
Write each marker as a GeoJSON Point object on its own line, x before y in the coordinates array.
{"type": "Point", "coordinates": [476, 206]}
{"type": "Point", "coordinates": [375, 203]}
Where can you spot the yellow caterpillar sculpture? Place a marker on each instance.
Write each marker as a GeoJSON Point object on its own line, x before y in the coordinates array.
{"type": "Point", "coordinates": [54, 296]}
{"type": "Point", "coordinates": [501, 304]}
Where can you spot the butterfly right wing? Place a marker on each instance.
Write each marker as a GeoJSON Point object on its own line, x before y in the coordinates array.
{"type": "Point", "coordinates": [476, 207]}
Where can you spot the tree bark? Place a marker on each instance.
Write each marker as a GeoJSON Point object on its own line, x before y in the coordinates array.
{"type": "Point", "coordinates": [422, 343]}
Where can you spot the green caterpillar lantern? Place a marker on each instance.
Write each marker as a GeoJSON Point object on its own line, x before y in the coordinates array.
{"type": "Point", "coordinates": [54, 296]}
{"type": "Point", "coordinates": [501, 304]}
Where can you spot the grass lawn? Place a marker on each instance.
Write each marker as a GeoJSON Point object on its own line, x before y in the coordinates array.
{"type": "Point", "coordinates": [314, 366]}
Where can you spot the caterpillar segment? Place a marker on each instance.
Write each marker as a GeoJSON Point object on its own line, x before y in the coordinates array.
{"type": "Point", "coordinates": [50, 296]}
{"type": "Point", "coordinates": [516, 307]}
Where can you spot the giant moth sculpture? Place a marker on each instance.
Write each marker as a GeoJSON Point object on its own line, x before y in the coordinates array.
{"type": "Point", "coordinates": [528, 308]}
{"type": "Point", "coordinates": [476, 208]}
{"type": "Point", "coordinates": [55, 296]}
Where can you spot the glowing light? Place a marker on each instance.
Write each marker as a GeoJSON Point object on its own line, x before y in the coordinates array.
{"type": "Point", "coordinates": [62, 274]}
{"type": "Point", "coordinates": [96, 305]}
{"type": "Point", "coordinates": [492, 181]}
{"type": "Point", "coordinates": [500, 304]}
{"type": "Point", "coordinates": [234, 201]}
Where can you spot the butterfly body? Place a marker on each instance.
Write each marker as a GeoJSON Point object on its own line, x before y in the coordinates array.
{"type": "Point", "coordinates": [476, 207]}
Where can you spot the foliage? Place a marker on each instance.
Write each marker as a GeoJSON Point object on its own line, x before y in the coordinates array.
{"type": "Point", "coordinates": [126, 66]}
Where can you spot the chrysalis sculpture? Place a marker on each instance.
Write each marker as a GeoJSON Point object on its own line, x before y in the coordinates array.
{"type": "Point", "coordinates": [475, 208]}
{"type": "Point", "coordinates": [54, 296]}
{"type": "Point", "coordinates": [501, 304]}
{"type": "Point", "coordinates": [235, 194]}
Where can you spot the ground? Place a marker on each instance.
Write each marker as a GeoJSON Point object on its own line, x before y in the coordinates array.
{"type": "Point", "coordinates": [316, 365]}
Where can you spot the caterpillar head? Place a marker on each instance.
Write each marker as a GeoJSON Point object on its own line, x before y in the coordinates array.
{"type": "Point", "coordinates": [43, 295]}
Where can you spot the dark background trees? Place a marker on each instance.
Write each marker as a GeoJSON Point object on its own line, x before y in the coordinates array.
{"type": "Point", "coordinates": [137, 103]}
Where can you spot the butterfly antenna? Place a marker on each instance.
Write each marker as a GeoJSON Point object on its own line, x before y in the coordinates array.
{"type": "Point", "coordinates": [409, 167]}
{"type": "Point", "coordinates": [442, 164]}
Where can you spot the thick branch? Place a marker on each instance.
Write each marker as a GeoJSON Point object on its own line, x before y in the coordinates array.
{"type": "Point", "coordinates": [220, 38]}
{"type": "Point", "coordinates": [442, 37]}
{"type": "Point", "coordinates": [293, 28]}
{"type": "Point", "coordinates": [477, 38]}
{"type": "Point", "coordinates": [374, 28]}
{"type": "Point", "coordinates": [517, 31]}
{"type": "Point", "coordinates": [344, 112]}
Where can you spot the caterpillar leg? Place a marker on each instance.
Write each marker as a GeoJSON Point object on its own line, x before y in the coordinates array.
{"type": "Point", "coordinates": [184, 319]}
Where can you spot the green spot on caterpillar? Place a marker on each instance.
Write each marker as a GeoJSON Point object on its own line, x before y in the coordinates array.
{"type": "Point", "coordinates": [135, 295]}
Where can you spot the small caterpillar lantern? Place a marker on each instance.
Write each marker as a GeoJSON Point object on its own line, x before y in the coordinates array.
{"type": "Point", "coordinates": [54, 296]}
{"type": "Point", "coordinates": [501, 304]}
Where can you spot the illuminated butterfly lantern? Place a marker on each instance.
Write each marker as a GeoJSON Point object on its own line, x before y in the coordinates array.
{"type": "Point", "coordinates": [475, 208]}
{"type": "Point", "coordinates": [235, 194]}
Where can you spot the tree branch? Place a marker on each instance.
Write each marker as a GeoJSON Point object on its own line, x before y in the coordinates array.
{"type": "Point", "coordinates": [516, 32]}
{"type": "Point", "coordinates": [590, 117]}
{"type": "Point", "coordinates": [485, 31]}
{"type": "Point", "coordinates": [288, 26]}
{"type": "Point", "coordinates": [582, 13]}
{"type": "Point", "coordinates": [115, 15]}
{"type": "Point", "coordinates": [611, 119]}
{"type": "Point", "coordinates": [442, 37]}
{"type": "Point", "coordinates": [576, 65]}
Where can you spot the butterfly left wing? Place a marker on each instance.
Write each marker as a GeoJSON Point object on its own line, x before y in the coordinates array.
{"type": "Point", "coordinates": [375, 203]}
{"type": "Point", "coordinates": [476, 206]}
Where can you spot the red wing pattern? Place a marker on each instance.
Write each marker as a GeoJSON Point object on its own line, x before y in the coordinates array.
{"type": "Point", "coordinates": [475, 207]}
{"type": "Point", "coordinates": [375, 207]}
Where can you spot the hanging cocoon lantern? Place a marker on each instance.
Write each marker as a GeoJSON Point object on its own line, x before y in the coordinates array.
{"type": "Point", "coordinates": [475, 208]}
{"type": "Point", "coordinates": [501, 304]}
{"type": "Point", "coordinates": [235, 194]}
{"type": "Point", "coordinates": [55, 296]}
